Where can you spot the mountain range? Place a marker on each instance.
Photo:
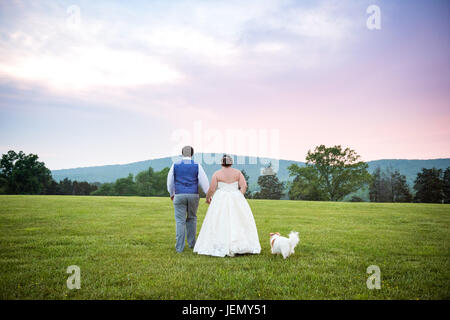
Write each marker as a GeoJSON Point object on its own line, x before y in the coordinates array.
{"type": "Point", "coordinates": [251, 165]}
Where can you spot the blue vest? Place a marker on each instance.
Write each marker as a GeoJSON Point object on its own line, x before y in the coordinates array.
{"type": "Point", "coordinates": [186, 177]}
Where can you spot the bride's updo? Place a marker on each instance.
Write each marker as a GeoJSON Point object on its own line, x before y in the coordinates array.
{"type": "Point", "coordinates": [227, 161]}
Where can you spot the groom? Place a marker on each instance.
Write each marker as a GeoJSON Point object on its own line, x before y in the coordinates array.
{"type": "Point", "coordinates": [182, 183]}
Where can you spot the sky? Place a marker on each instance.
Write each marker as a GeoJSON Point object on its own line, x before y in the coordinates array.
{"type": "Point", "coordinates": [86, 83]}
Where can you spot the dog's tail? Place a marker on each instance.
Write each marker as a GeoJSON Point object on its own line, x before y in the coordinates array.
{"type": "Point", "coordinates": [293, 240]}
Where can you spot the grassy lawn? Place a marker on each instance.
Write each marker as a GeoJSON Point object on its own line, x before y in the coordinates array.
{"type": "Point", "coordinates": [125, 249]}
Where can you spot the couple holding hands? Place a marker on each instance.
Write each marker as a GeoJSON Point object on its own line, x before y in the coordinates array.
{"type": "Point", "coordinates": [229, 227]}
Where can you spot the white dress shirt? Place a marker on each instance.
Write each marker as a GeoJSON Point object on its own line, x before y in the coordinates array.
{"type": "Point", "coordinates": [202, 179]}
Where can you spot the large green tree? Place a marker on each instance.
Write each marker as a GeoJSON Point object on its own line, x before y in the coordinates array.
{"type": "Point", "coordinates": [125, 186]}
{"type": "Point", "coordinates": [389, 186]}
{"type": "Point", "coordinates": [379, 190]}
{"type": "Point", "coordinates": [144, 183]}
{"type": "Point", "coordinates": [306, 184]}
{"type": "Point", "coordinates": [65, 187]}
{"type": "Point", "coordinates": [23, 174]}
{"type": "Point", "coordinates": [152, 183]}
{"type": "Point", "coordinates": [428, 186]}
{"type": "Point", "coordinates": [334, 172]}
{"type": "Point", "coordinates": [400, 188]}
{"type": "Point", "coordinates": [270, 186]}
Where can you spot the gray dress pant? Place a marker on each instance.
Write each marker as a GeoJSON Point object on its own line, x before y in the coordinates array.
{"type": "Point", "coordinates": [186, 206]}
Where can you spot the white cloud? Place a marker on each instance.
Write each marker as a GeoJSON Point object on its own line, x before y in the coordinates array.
{"type": "Point", "coordinates": [320, 23]}
{"type": "Point", "coordinates": [175, 43]}
{"type": "Point", "coordinates": [269, 47]}
{"type": "Point", "coordinates": [189, 41]}
{"type": "Point", "coordinates": [86, 67]}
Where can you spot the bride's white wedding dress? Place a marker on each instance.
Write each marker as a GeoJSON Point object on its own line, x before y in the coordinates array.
{"type": "Point", "coordinates": [229, 227]}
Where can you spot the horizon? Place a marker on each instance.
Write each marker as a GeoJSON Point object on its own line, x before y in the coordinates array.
{"type": "Point", "coordinates": [234, 155]}
{"type": "Point", "coordinates": [84, 84]}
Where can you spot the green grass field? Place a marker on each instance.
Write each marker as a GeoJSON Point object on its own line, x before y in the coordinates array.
{"type": "Point", "coordinates": [125, 249]}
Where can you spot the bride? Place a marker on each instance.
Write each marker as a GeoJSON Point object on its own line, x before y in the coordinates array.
{"type": "Point", "coordinates": [229, 227]}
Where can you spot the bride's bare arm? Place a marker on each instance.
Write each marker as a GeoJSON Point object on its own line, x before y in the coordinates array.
{"type": "Point", "coordinates": [242, 183]}
{"type": "Point", "coordinates": [212, 188]}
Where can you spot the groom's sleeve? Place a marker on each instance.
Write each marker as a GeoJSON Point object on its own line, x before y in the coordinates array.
{"type": "Point", "coordinates": [170, 182]}
{"type": "Point", "coordinates": [203, 179]}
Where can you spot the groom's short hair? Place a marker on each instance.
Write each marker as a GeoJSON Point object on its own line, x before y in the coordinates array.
{"type": "Point", "coordinates": [187, 151]}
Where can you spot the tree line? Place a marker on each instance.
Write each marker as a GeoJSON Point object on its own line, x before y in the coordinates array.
{"type": "Point", "coordinates": [333, 173]}
{"type": "Point", "coordinates": [146, 183]}
{"type": "Point", "coordinates": [74, 188]}
{"type": "Point", "coordinates": [24, 174]}
{"type": "Point", "coordinates": [330, 174]}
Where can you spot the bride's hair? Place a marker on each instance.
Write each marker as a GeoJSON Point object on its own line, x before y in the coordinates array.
{"type": "Point", "coordinates": [227, 161]}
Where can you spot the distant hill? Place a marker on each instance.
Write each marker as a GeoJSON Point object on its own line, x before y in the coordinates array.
{"type": "Point", "coordinates": [409, 168]}
{"type": "Point", "coordinates": [109, 173]}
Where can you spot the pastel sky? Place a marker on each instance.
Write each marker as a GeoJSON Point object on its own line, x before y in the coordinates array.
{"type": "Point", "coordinates": [104, 82]}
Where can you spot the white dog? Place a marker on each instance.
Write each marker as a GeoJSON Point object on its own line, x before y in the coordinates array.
{"type": "Point", "coordinates": [283, 245]}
